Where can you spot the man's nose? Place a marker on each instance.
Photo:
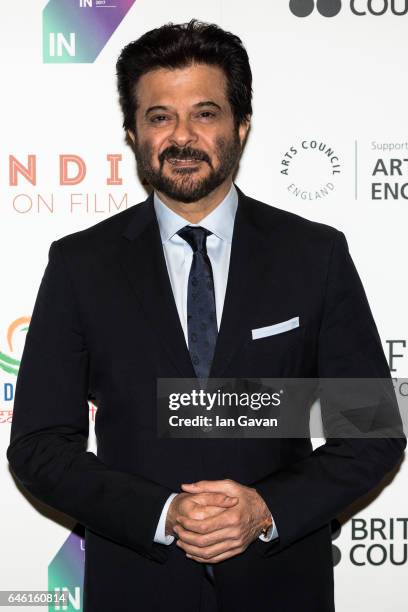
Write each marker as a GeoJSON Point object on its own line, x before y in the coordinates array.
{"type": "Point", "coordinates": [183, 133]}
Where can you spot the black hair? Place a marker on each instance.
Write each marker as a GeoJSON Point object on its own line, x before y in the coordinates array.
{"type": "Point", "coordinates": [177, 46]}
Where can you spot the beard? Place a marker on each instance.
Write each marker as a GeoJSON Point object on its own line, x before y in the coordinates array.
{"type": "Point", "coordinates": [182, 185]}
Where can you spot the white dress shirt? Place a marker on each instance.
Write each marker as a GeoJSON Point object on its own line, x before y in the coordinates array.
{"type": "Point", "coordinates": [179, 255]}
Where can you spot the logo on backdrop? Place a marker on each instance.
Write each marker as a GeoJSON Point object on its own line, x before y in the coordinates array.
{"type": "Point", "coordinates": [389, 171]}
{"type": "Point", "coordinates": [361, 8]}
{"type": "Point", "coordinates": [396, 354]}
{"type": "Point", "coordinates": [10, 364]}
{"type": "Point", "coordinates": [310, 168]}
{"type": "Point", "coordinates": [10, 360]}
{"type": "Point", "coordinates": [336, 552]}
{"type": "Point", "coordinates": [76, 31]}
{"type": "Point", "coordinates": [72, 172]}
{"type": "Point", "coordinates": [15, 340]}
{"type": "Point", "coordinates": [303, 8]}
{"type": "Point", "coordinates": [372, 541]}
{"type": "Point", "coordinates": [67, 568]}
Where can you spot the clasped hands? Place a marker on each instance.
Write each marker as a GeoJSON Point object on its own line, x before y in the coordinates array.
{"type": "Point", "coordinates": [216, 519]}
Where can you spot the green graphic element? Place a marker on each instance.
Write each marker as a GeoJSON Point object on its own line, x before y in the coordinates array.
{"type": "Point", "coordinates": [8, 364]}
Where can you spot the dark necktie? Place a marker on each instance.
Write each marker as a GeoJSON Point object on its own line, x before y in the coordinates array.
{"type": "Point", "coordinates": [201, 314]}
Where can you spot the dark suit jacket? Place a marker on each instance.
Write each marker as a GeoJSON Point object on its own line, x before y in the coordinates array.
{"type": "Point", "coordinates": [105, 326]}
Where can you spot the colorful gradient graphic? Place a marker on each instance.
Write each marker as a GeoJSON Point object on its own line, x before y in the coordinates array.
{"type": "Point", "coordinates": [76, 31]}
{"type": "Point", "coordinates": [66, 571]}
{"type": "Point", "coordinates": [7, 363]}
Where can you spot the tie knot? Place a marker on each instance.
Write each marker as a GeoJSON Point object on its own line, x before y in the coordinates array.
{"type": "Point", "coordinates": [195, 236]}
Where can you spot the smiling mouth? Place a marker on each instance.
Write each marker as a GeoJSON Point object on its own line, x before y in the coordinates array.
{"type": "Point", "coordinates": [189, 161]}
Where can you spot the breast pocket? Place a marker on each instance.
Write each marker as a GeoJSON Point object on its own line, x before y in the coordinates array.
{"type": "Point", "coordinates": [271, 337]}
{"type": "Point", "coordinates": [275, 328]}
{"type": "Point", "coordinates": [276, 354]}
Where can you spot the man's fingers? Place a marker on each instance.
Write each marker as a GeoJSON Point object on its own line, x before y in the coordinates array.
{"type": "Point", "coordinates": [220, 486]}
{"type": "Point", "coordinates": [217, 558]}
{"type": "Point", "coordinates": [199, 513]}
{"type": "Point", "coordinates": [207, 539]}
{"type": "Point", "coordinates": [205, 505]}
{"type": "Point", "coordinates": [210, 552]}
{"type": "Point", "coordinates": [208, 525]}
{"type": "Point", "coordinates": [214, 499]}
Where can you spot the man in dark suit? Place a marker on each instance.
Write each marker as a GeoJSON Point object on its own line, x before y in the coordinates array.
{"type": "Point", "coordinates": [199, 280]}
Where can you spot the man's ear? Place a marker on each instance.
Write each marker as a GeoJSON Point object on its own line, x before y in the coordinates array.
{"type": "Point", "coordinates": [131, 139]}
{"type": "Point", "coordinates": [131, 136]}
{"type": "Point", "coordinates": [243, 130]}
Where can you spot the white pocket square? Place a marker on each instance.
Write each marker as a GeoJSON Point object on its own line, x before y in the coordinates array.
{"type": "Point", "coordinates": [277, 328]}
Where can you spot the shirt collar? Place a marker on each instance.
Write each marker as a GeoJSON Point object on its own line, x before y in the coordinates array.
{"type": "Point", "coordinates": [219, 221]}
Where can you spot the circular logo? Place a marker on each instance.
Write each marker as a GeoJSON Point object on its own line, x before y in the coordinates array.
{"type": "Point", "coordinates": [328, 8]}
{"type": "Point", "coordinates": [310, 169]}
{"type": "Point", "coordinates": [303, 8]}
{"type": "Point", "coordinates": [336, 552]}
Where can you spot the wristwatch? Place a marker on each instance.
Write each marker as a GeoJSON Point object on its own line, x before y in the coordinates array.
{"type": "Point", "coordinates": [267, 528]}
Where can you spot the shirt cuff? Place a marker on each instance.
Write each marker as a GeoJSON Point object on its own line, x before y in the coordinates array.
{"type": "Point", "coordinates": [160, 536]}
{"type": "Point", "coordinates": [271, 534]}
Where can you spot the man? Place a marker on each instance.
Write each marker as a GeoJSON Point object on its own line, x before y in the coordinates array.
{"type": "Point", "coordinates": [184, 524]}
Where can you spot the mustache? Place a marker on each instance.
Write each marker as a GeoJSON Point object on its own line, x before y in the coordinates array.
{"type": "Point", "coordinates": [174, 153]}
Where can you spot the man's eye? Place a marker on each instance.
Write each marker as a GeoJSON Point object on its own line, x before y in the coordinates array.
{"type": "Point", "coordinates": [208, 113]}
{"type": "Point", "coordinates": [161, 118]}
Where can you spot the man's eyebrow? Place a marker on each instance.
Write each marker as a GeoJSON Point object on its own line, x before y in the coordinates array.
{"type": "Point", "coordinates": [197, 105]}
{"type": "Point", "coordinates": [208, 103]}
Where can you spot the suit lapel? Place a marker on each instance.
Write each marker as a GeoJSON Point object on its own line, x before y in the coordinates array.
{"type": "Point", "coordinates": [143, 260]}
{"type": "Point", "coordinates": [246, 278]}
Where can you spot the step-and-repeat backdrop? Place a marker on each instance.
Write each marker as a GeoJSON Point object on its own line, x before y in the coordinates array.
{"type": "Point", "coordinates": [329, 141]}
